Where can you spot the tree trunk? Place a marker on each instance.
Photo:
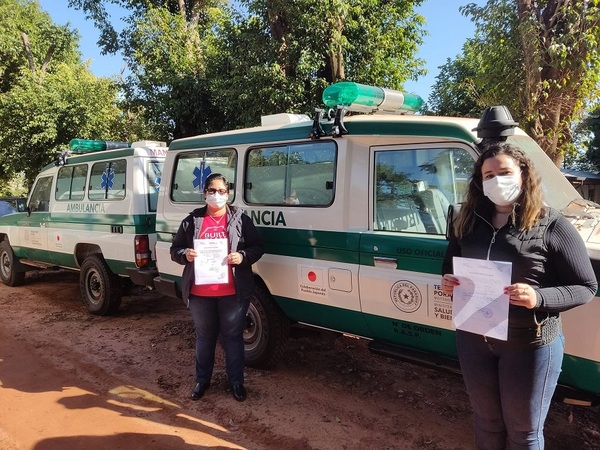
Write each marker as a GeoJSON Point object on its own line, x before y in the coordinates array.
{"type": "Point", "coordinates": [28, 52]}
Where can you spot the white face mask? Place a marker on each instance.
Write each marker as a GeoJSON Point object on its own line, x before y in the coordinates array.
{"type": "Point", "coordinates": [216, 200]}
{"type": "Point", "coordinates": [503, 190]}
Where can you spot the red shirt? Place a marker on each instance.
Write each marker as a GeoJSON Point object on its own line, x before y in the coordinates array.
{"type": "Point", "coordinates": [214, 228]}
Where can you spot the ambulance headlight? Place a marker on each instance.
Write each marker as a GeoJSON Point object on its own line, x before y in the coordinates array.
{"type": "Point", "coordinates": [90, 145]}
{"type": "Point", "coordinates": [361, 98]}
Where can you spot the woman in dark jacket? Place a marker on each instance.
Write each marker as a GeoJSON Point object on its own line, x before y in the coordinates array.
{"type": "Point", "coordinates": [219, 300]}
{"type": "Point", "coordinates": [510, 383]}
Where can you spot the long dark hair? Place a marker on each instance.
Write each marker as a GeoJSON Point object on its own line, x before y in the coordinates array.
{"type": "Point", "coordinates": [530, 202]}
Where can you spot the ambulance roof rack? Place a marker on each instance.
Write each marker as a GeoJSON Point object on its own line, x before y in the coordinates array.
{"type": "Point", "coordinates": [354, 97]}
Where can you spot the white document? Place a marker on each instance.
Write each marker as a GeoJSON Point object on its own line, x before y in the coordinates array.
{"type": "Point", "coordinates": [479, 304]}
{"type": "Point", "coordinates": [210, 264]}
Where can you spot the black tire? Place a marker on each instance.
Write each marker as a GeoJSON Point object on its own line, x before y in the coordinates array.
{"type": "Point", "coordinates": [267, 330]}
{"type": "Point", "coordinates": [8, 262]}
{"type": "Point", "coordinates": [101, 290]}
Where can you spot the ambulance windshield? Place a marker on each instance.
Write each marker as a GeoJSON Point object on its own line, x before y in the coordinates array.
{"type": "Point", "coordinates": [558, 192]}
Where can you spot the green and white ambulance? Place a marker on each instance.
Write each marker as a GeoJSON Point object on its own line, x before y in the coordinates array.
{"type": "Point", "coordinates": [93, 210]}
{"type": "Point", "coordinates": [353, 211]}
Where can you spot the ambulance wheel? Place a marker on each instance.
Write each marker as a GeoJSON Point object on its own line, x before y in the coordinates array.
{"type": "Point", "coordinates": [8, 272]}
{"type": "Point", "coordinates": [101, 290]}
{"type": "Point", "coordinates": [267, 330]}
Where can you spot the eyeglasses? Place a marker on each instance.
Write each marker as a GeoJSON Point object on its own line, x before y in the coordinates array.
{"type": "Point", "coordinates": [213, 191]}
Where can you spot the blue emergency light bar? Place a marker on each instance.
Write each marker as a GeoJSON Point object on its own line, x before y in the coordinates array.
{"type": "Point", "coordinates": [90, 145]}
{"type": "Point", "coordinates": [362, 98]}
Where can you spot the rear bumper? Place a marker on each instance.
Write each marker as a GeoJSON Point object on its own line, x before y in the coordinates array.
{"type": "Point", "coordinates": [142, 277]}
{"type": "Point", "coordinates": [166, 287]}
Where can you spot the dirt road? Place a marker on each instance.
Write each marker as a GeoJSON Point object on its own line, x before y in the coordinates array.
{"type": "Point", "coordinates": [77, 381]}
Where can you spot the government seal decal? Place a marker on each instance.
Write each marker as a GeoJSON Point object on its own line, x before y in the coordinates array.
{"type": "Point", "coordinates": [406, 296]}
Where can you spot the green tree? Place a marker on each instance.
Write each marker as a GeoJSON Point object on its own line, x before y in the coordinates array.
{"type": "Point", "coordinates": [200, 66]}
{"type": "Point", "coordinates": [164, 46]}
{"type": "Point", "coordinates": [38, 119]}
{"type": "Point", "coordinates": [282, 54]}
{"type": "Point", "coordinates": [455, 92]}
{"type": "Point", "coordinates": [541, 60]}
{"type": "Point", "coordinates": [586, 135]}
{"type": "Point", "coordinates": [22, 26]}
{"type": "Point", "coordinates": [168, 78]}
{"type": "Point", "coordinates": [47, 95]}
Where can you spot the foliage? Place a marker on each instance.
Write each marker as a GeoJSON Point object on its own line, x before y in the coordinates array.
{"type": "Point", "coordinates": [47, 95]}
{"type": "Point", "coordinates": [283, 54]}
{"type": "Point", "coordinates": [199, 66]}
{"type": "Point", "coordinates": [168, 80]}
{"type": "Point", "coordinates": [455, 92]}
{"type": "Point", "coordinates": [540, 59]}
{"type": "Point", "coordinates": [23, 21]}
{"type": "Point", "coordinates": [40, 118]}
{"type": "Point", "coordinates": [587, 133]}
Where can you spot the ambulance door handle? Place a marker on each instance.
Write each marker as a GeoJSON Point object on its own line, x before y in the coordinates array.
{"type": "Point", "coordinates": [385, 262]}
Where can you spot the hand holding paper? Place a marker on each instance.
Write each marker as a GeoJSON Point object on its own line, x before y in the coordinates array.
{"type": "Point", "coordinates": [210, 265]}
{"type": "Point", "coordinates": [479, 302]}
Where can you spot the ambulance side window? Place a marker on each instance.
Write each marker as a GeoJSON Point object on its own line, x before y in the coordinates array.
{"type": "Point", "coordinates": [70, 183]}
{"type": "Point", "coordinates": [192, 169]}
{"type": "Point", "coordinates": [107, 180]}
{"type": "Point", "coordinates": [40, 196]}
{"type": "Point", "coordinates": [300, 174]}
{"type": "Point", "coordinates": [414, 187]}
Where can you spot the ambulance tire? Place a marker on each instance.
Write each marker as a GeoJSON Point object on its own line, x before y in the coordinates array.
{"type": "Point", "coordinates": [267, 330]}
{"type": "Point", "coordinates": [101, 290]}
{"type": "Point", "coordinates": [8, 263]}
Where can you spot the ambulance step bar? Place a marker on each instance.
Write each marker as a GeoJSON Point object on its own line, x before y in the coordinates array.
{"type": "Point", "coordinates": [570, 396]}
{"type": "Point", "coordinates": [564, 394]}
{"type": "Point", "coordinates": [415, 356]}
{"type": "Point", "coordinates": [29, 264]}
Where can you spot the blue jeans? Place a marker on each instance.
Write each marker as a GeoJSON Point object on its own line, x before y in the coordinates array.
{"type": "Point", "coordinates": [219, 315]}
{"type": "Point", "coordinates": [510, 390]}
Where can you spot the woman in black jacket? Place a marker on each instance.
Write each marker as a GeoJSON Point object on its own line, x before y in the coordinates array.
{"type": "Point", "coordinates": [218, 245]}
{"type": "Point", "coordinates": [510, 383]}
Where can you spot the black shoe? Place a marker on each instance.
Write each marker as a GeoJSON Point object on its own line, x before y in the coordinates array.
{"type": "Point", "coordinates": [199, 390]}
{"type": "Point", "coordinates": [239, 392]}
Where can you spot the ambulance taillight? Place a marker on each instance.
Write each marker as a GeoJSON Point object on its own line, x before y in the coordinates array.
{"type": "Point", "coordinates": [142, 250]}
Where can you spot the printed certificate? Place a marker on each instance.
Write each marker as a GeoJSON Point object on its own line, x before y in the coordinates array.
{"type": "Point", "coordinates": [479, 304]}
{"type": "Point", "coordinates": [210, 264]}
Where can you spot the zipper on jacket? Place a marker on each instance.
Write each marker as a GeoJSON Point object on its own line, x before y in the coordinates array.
{"type": "Point", "coordinates": [491, 243]}
{"type": "Point", "coordinates": [494, 233]}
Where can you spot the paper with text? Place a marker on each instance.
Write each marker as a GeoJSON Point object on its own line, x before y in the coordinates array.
{"type": "Point", "coordinates": [479, 304]}
{"type": "Point", "coordinates": [210, 264]}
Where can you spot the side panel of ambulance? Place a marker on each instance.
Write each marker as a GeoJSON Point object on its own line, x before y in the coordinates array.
{"type": "Point", "coordinates": [93, 210]}
{"type": "Point", "coordinates": [353, 211]}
